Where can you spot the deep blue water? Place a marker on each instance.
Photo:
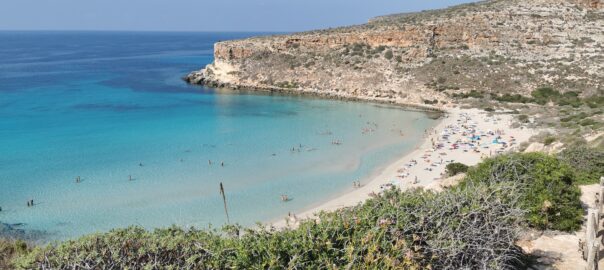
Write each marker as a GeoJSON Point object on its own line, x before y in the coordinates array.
{"type": "Point", "coordinates": [98, 105]}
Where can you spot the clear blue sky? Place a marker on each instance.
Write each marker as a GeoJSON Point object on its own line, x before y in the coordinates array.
{"type": "Point", "coordinates": [200, 15]}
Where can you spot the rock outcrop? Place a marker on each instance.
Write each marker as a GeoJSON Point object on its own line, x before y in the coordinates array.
{"type": "Point", "coordinates": [500, 46]}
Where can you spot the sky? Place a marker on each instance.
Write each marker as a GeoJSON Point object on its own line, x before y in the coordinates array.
{"type": "Point", "coordinates": [200, 15]}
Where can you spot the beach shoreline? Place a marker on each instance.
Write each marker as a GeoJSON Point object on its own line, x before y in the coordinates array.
{"type": "Point", "coordinates": [429, 179]}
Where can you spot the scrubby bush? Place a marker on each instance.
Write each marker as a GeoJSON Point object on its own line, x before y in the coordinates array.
{"type": "Point", "coordinates": [287, 84]}
{"type": "Point", "coordinates": [515, 98]}
{"type": "Point", "coordinates": [550, 196]}
{"type": "Point", "coordinates": [570, 98]}
{"type": "Point", "coordinates": [471, 94]}
{"type": "Point", "coordinates": [471, 228]}
{"type": "Point", "coordinates": [9, 250]}
{"type": "Point", "coordinates": [588, 122]}
{"type": "Point", "coordinates": [587, 162]}
{"type": "Point", "coordinates": [388, 55]}
{"type": "Point", "coordinates": [595, 101]}
{"type": "Point", "coordinates": [549, 140]}
{"type": "Point", "coordinates": [544, 95]}
{"type": "Point", "coordinates": [456, 168]}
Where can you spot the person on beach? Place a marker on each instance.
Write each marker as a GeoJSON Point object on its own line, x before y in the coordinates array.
{"type": "Point", "coordinates": [210, 162]}
{"type": "Point", "coordinates": [78, 179]}
{"type": "Point", "coordinates": [129, 177]}
{"type": "Point", "coordinates": [222, 164]}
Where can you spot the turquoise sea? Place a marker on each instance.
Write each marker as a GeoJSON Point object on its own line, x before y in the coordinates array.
{"type": "Point", "coordinates": [110, 106]}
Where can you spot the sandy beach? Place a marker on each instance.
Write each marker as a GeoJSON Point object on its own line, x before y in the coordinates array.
{"type": "Point", "coordinates": [464, 135]}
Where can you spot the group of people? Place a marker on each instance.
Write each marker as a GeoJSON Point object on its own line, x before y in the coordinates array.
{"type": "Point", "coordinates": [210, 163]}
{"type": "Point", "coordinates": [464, 136]}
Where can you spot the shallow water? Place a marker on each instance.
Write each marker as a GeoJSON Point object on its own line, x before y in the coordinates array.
{"type": "Point", "coordinates": [98, 105]}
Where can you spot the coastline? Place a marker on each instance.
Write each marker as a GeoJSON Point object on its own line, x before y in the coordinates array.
{"type": "Point", "coordinates": [418, 178]}
{"type": "Point", "coordinates": [197, 78]}
{"type": "Point", "coordinates": [432, 179]}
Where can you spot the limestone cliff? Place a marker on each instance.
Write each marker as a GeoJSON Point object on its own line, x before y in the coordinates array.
{"type": "Point", "coordinates": [499, 46]}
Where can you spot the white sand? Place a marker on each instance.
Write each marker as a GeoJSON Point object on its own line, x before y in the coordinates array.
{"type": "Point", "coordinates": [425, 156]}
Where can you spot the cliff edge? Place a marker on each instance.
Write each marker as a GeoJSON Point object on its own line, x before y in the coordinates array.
{"type": "Point", "coordinates": [499, 46]}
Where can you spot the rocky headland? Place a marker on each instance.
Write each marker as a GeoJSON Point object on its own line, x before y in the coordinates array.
{"type": "Point", "coordinates": [430, 58]}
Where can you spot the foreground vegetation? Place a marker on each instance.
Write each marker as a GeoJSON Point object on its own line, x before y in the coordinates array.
{"type": "Point", "coordinates": [549, 194]}
{"type": "Point", "coordinates": [464, 228]}
{"type": "Point", "coordinates": [587, 162]}
{"type": "Point", "coordinates": [471, 226]}
{"type": "Point", "coordinates": [9, 250]}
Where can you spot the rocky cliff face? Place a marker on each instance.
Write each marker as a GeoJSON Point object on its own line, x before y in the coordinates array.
{"type": "Point", "coordinates": [500, 46]}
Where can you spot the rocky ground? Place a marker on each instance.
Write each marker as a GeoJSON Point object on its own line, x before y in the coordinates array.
{"type": "Point", "coordinates": [432, 57]}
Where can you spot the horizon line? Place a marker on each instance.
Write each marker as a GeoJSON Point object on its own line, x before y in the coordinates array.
{"type": "Point", "coordinates": [149, 31]}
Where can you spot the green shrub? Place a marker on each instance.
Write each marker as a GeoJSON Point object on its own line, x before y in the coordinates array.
{"type": "Point", "coordinates": [588, 122]}
{"type": "Point", "coordinates": [456, 168]}
{"type": "Point", "coordinates": [595, 101]}
{"type": "Point", "coordinates": [544, 95]}
{"type": "Point", "coordinates": [471, 94]}
{"type": "Point", "coordinates": [388, 55]}
{"type": "Point", "coordinates": [9, 250]}
{"type": "Point", "coordinates": [550, 196]}
{"type": "Point", "coordinates": [286, 84]}
{"type": "Point", "coordinates": [515, 98]}
{"type": "Point", "coordinates": [549, 140]}
{"type": "Point", "coordinates": [358, 47]}
{"type": "Point", "coordinates": [473, 228]}
{"type": "Point", "coordinates": [570, 98]}
{"type": "Point", "coordinates": [587, 162]}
